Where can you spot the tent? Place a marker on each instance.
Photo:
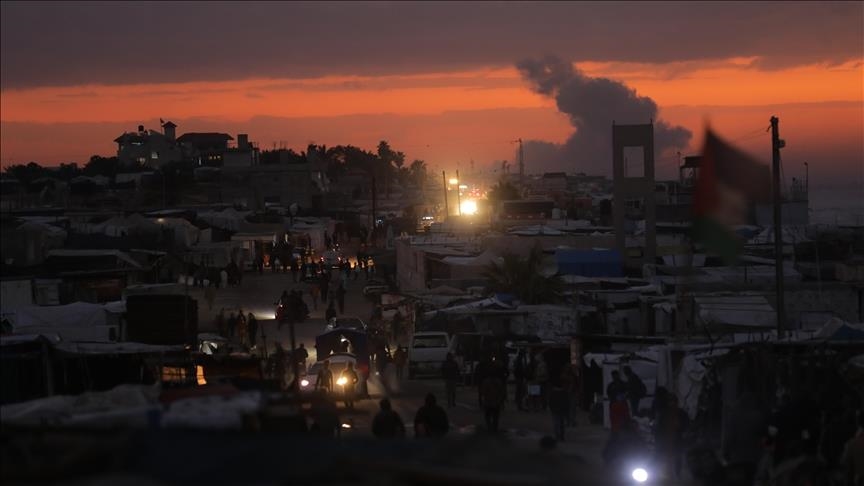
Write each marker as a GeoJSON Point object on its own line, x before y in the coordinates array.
{"type": "Point", "coordinates": [79, 321]}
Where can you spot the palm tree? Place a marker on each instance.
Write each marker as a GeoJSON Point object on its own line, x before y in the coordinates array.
{"type": "Point", "coordinates": [523, 277]}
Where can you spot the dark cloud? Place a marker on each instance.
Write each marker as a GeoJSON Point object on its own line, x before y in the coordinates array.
{"type": "Point", "coordinates": [593, 105]}
{"type": "Point", "coordinates": [70, 43]}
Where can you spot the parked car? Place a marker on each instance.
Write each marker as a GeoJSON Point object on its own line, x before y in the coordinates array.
{"type": "Point", "coordinates": [427, 351]}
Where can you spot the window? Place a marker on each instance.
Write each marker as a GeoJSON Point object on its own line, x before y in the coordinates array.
{"type": "Point", "coordinates": [154, 155]}
{"type": "Point", "coordinates": [142, 160]}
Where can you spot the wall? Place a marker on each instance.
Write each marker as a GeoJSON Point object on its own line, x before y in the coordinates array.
{"type": "Point", "coordinates": [15, 294]}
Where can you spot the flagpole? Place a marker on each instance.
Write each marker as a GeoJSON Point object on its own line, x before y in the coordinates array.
{"type": "Point", "coordinates": [776, 145]}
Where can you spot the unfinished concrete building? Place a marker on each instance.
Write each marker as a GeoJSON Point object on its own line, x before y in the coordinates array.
{"type": "Point", "coordinates": [633, 189]}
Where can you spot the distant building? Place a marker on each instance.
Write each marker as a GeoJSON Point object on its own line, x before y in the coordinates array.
{"type": "Point", "coordinates": [148, 147]}
{"type": "Point", "coordinates": [205, 148]}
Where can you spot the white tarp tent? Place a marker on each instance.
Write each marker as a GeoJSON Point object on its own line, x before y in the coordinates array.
{"type": "Point", "coordinates": [79, 321]}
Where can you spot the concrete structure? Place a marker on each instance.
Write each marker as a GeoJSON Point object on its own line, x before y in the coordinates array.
{"type": "Point", "coordinates": [633, 185]}
{"type": "Point", "coordinates": [148, 147]}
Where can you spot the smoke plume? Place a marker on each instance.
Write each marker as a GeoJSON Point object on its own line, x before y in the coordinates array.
{"type": "Point", "coordinates": [592, 104]}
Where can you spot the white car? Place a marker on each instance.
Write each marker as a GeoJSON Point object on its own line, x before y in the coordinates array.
{"type": "Point", "coordinates": [427, 351]}
{"type": "Point", "coordinates": [338, 364]}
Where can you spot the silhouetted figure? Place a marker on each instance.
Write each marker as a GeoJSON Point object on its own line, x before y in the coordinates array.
{"type": "Point", "coordinates": [431, 420]}
{"type": "Point", "coordinates": [325, 378]}
{"type": "Point", "coordinates": [493, 396]}
{"type": "Point", "coordinates": [387, 424]}
{"type": "Point", "coordinates": [330, 313]}
{"type": "Point", "coordinates": [451, 375]}
{"type": "Point", "coordinates": [252, 327]}
{"type": "Point", "coordinates": [635, 390]}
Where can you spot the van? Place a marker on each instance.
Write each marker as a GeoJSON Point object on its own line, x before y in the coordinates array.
{"type": "Point", "coordinates": [427, 351]}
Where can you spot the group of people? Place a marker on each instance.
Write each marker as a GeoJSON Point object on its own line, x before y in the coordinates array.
{"type": "Point", "coordinates": [670, 422]}
{"type": "Point", "coordinates": [239, 327]}
{"type": "Point", "coordinates": [430, 421]}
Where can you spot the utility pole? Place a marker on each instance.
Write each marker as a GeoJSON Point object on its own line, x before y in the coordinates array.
{"type": "Point", "coordinates": [446, 208]}
{"type": "Point", "coordinates": [521, 160]}
{"type": "Point", "coordinates": [807, 180]}
{"type": "Point", "coordinates": [458, 196]}
{"type": "Point", "coordinates": [776, 145]}
{"type": "Point", "coordinates": [374, 211]}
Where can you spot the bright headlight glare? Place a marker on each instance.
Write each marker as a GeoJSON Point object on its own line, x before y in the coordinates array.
{"type": "Point", "coordinates": [304, 382]}
{"type": "Point", "coordinates": [341, 381]}
{"type": "Point", "coordinates": [639, 475]}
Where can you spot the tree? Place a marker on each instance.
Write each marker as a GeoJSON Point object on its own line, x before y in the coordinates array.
{"type": "Point", "coordinates": [418, 171]}
{"type": "Point", "coordinates": [524, 278]}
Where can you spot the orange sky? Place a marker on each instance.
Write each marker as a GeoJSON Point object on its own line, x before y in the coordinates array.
{"type": "Point", "coordinates": [444, 118]}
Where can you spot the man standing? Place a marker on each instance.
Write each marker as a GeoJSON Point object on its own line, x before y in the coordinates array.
{"type": "Point", "coordinates": [301, 355]}
{"type": "Point", "coordinates": [450, 373]}
{"type": "Point", "coordinates": [616, 392]}
{"type": "Point", "coordinates": [325, 378]}
{"type": "Point", "coordinates": [350, 386]}
{"type": "Point", "coordinates": [252, 326]}
{"type": "Point", "coordinates": [431, 420]}
{"type": "Point", "coordinates": [520, 373]}
{"type": "Point", "coordinates": [635, 390]}
{"type": "Point", "coordinates": [400, 358]}
{"type": "Point", "coordinates": [559, 405]}
{"type": "Point", "coordinates": [493, 395]}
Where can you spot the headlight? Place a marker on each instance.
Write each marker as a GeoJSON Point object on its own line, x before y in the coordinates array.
{"type": "Point", "coordinates": [342, 381]}
{"type": "Point", "coordinates": [639, 475]}
{"type": "Point", "coordinates": [346, 426]}
{"type": "Point", "coordinates": [304, 383]}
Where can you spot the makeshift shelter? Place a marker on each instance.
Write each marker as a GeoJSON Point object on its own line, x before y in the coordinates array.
{"type": "Point", "coordinates": [79, 321]}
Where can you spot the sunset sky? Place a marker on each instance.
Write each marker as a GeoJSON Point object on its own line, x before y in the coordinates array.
{"type": "Point", "coordinates": [437, 80]}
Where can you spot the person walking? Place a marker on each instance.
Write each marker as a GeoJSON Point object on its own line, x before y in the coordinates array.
{"type": "Point", "coordinates": [210, 295]}
{"type": "Point", "coordinates": [493, 396]}
{"type": "Point", "coordinates": [315, 293]}
{"type": "Point", "coordinates": [387, 423]}
{"type": "Point", "coordinates": [232, 325]}
{"type": "Point", "coordinates": [635, 390]}
{"type": "Point", "coordinates": [325, 378]}
{"type": "Point", "coordinates": [323, 286]}
{"type": "Point", "coordinates": [295, 270]}
{"type": "Point", "coordinates": [221, 328]}
{"type": "Point", "coordinates": [252, 325]}
{"type": "Point", "coordinates": [400, 359]}
{"type": "Point", "coordinates": [242, 330]}
{"type": "Point", "coordinates": [616, 392]}
{"type": "Point", "coordinates": [559, 405]}
{"type": "Point", "coordinates": [451, 375]}
{"type": "Point", "coordinates": [330, 313]}
{"type": "Point", "coordinates": [520, 374]}
{"type": "Point", "coordinates": [301, 355]}
{"type": "Point", "coordinates": [350, 386]}
{"type": "Point", "coordinates": [570, 383]}
{"type": "Point", "coordinates": [541, 377]}
{"type": "Point", "coordinates": [431, 420]}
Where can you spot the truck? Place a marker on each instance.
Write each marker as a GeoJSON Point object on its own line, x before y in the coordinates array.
{"type": "Point", "coordinates": [427, 351]}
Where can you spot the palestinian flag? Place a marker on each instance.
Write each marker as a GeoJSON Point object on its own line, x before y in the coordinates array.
{"type": "Point", "coordinates": [728, 183]}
